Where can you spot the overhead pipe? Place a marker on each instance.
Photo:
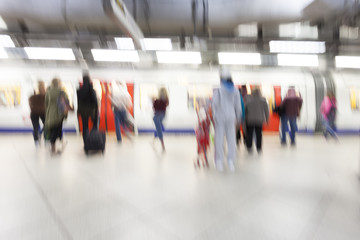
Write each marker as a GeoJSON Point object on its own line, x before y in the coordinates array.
{"type": "Point", "coordinates": [118, 12]}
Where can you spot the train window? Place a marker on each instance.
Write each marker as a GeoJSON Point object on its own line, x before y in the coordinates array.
{"type": "Point", "coordinates": [10, 96]}
{"type": "Point", "coordinates": [148, 92]}
{"type": "Point", "coordinates": [199, 94]}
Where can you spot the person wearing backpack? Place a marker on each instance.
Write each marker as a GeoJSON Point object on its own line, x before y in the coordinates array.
{"type": "Point", "coordinates": [87, 106]}
{"type": "Point", "coordinates": [56, 105]}
{"type": "Point", "coordinates": [37, 107]}
{"type": "Point", "coordinates": [328, 112]}
{"type": "Point", "coordinates": [227, 112]}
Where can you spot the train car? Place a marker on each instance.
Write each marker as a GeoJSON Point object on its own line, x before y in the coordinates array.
{"type": "Point", "coordinates": [185, 87]}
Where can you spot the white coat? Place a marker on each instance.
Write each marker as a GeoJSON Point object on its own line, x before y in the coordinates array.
{"type": "Point", "coordinates": [227, 112]}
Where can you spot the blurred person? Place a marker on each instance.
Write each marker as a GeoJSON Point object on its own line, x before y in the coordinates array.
{"type": "Point", "coordinates": [159, 105]}
{"type": "Point", "coordinates": [256, 114]}
{"type": "Point", "coordinates": [87, 106]}
{"type": "Point", "coordinates": [291, 106]}
{"type": "Point", "coordinates": [226, 110]}
{"type": "Point", "coordinates": [55, 111]}
{"type": "Point", "coordinates": [328, 112]}
{"type": "Point", "coordinates": [238, 130]}
{"type": "Point", "coordinates": [121, 101]}
{"type": "Point", "coordinates": [37, 107]}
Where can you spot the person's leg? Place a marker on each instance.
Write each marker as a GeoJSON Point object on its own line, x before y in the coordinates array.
{"type": "Point", "coordinates": [258, 132]}
{"type": "Point", "coordinates": [161, 137]}
{"type": "Point", "coordinates": [85, 123]}
{"type": "Point", "coordinates": [293, 129]}
{"type": "Point", "coordinates": [284, 124]}
{"type": "Point", "coordinates": [332, 129]}
{"type": "Point", "coordinates": [36, 126]}
{"type": "Point", "coordinates": [53, 137]}
{"type": "Point", "coordinates": [124, 122]}
{"type": "Point", "coordinates": [219, 144]}
{"type": "Point", "coordinates": [117, 125]}
{"type": "Point", "coordinates": [231, 143]}
{"type": "Point", "coordinates": [249, 136]}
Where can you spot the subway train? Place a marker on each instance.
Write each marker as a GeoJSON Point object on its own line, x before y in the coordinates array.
{"type": "Point", "coordinates": [185, 87]}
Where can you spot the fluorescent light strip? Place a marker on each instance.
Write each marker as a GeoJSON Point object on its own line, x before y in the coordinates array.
{"type": "Point", "coordinates": [152, 44]}
{"type": "Point", "coordinates": [3, 53]}
{"type": "Point", "coordinates": [107, 55]}
{"type": "Point", "coordinates": [297, 47]}
{"type": "Point", "coordinates": [347, 61]}
{"type": "Point", "coordinates": [5, 41]}
{"type": "Point", "coordinates": [49, 53]}
{"type": "Point", "coordinates": [298, 60]}
{"type": "Point", "coordinates": [239, 58]}
{"type": "Point", "coordinates": [179, 57]}
{"type": "Point", "coordinates": [125, 43]}
{"type": "Point", "coordinates": [3, 24]}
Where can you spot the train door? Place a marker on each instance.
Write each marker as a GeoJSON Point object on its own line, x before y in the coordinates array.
{"type": "Point", "coordinates": [273, 96]}
{"type": "Point", "coordinates": [106, 114]}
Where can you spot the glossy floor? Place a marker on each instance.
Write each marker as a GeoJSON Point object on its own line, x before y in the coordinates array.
{"type": "Point", "coordinates": [134, 191]}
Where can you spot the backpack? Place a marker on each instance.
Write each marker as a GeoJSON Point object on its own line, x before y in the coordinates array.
{"type": "Point", "coordinates": [63, 104]}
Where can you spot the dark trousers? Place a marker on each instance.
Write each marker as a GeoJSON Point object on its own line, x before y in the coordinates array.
{"type": "Point", "coordinates": [35, 120]}
{"type": "Point", "coordinates": [85, 123]}
{"type": "Point", "coordinates": [55, 133]}
{"type": "Point", "coordinates": [238, 136]}
{"type": "Point", "coordinates": [249, 135]}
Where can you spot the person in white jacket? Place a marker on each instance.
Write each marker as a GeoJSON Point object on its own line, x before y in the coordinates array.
{"type": "Point", "coordinates": [121, 101]}
{"type": "Point", "coordinates": [226, 108]}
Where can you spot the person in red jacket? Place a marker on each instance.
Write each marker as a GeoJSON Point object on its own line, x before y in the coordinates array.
{"type": "Point", "coordinates": [290, 106]}
{"type": "Point", "coordinates": [37, 107]}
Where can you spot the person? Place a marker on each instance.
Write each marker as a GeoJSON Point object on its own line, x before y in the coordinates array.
{"type": "Point", "coordinates": [159, 105]}
{"type": "Point", "coordinates": [291, 106]}
{"type": "Point", "coordinates": [54, 116]}
{"type": "Point", "coordinates": [226, 110]}
{"type": "Point", "coordinates": [238, 130]}
{"type": "Point", "coordinates": [121, 101]}
{"type": "Point", "coordinates": [328, 112]}
{"type": "Point", "coordinates": [256, 114]}
{"type": "Point", "coordinates": [87, 106]}
{"type": "Point", "coordinates": [37, 108]}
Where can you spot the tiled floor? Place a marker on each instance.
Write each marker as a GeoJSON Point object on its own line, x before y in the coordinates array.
{"type": "Point", "coordinates": [134, 191]}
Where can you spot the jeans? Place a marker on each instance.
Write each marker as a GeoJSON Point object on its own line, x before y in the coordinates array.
{"type": "Point", "coordinates": [85, 123]}
{"type": "Point", "coordinates": [284, 128]}
{"type": "Point", "coordinates": [158, 118]}
{"type": "Point", "coordinates": [329, 127]}
{"type": "Point", "coordinates": [36, 124]}
{"type": "Point", "coordinates": [120, 120]}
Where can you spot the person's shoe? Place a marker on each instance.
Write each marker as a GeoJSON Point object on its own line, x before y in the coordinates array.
{"type": "Point", "coordinates": [259, 151]}
{"type": "Point", "coordinates": [283, 144]}
{"type": "Point", "coordinates": [231, 166]}
{"type": "Point", "coordinates": [249, 150]}
{"type": "Point", "coordinates": [219, 166]}
{"type": "Point", "coordinates": [293, 144]}
{"type": "Point", "coordinates": [37, 144]}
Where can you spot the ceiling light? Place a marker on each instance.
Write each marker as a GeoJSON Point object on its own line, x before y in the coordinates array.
{"type": "Point", "coordinates": [179, 57]}
{"type": "Point", "coordinates": [108, 55]}
{"type": "Point", "coordinates": [347, 62]}
{"type": "Point", "coordinates": [50, 53]}
{"type": "Point", "coordinates": [125, 43]}
{"type": "Point", "coordinates": [297, 47]}
{"type": "Point", "coordinates": [3, 24]}
{"type": "Point", "coordinates": [163, 44]}
{"type": "Point", "coordinates": [299, 60]}
{"type": "Point", "coordinates": [239, 58]}
{"type": "Point", "coordinates": [5, 41]}
{"type": "Point", "coordinates": [3, 53]}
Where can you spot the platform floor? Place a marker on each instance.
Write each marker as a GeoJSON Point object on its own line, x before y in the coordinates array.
{"type": "Point", "coordinates": [134, 191]}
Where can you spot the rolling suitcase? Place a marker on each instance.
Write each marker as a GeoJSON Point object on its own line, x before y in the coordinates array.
{"type": "Point", "coordinates": [95, 142]}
